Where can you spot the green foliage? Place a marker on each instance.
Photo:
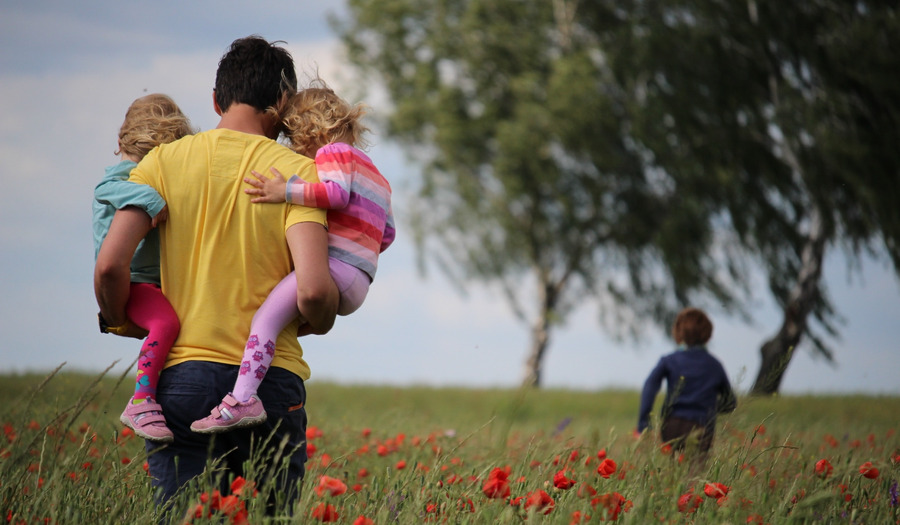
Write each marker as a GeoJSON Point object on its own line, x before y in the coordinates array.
{"type": "Point", "coordinates": [640, 154]}
{"type": "Point", "coordinates": [413, 455]}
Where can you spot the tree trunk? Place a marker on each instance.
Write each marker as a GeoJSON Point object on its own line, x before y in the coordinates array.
{"type": "Point", "coordinates": [540, 336]}
{"type": "Point", "coordinates": [777, 351]}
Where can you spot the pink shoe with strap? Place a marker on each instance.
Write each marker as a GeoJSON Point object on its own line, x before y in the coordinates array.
{"type": "Point", "coordinates": [147, 421]}
{"type": "Point", "coordinates": [230, 414]}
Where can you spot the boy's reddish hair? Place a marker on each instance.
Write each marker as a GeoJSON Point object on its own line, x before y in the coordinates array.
{"type": "Point", "coordinates": [692, 327]}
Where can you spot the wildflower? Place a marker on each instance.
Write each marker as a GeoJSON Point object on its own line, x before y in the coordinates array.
{"type": "Point", "coordinates": [241, 485]}
{"type": "Point", "coordinates": [716, 490]}
{"type": "Point", "coordinates": [400, 465]}
{"type": "Point", "coordinates": [894, 495]}
{"type": "Point", "coordinates": [313, 432]}
{"type": "Point", "coordinates": [868, 471]}
{"type": "Point", "coordinates": [465, 505]}
{"type": "Point", "coordinates": [607, 468]}
{"type": "Point", "coordinates": [601, 455]}
{"type": "Point", "coordinates": [755, 519]}
{"type": "Point", "coordinates": [325, 513]}
{"type": "Point", "coordinates": [497, 484]}
{"type": "Point", "coordinates": [689, 502]}
{"type": "Point", "coordinates": [577, 517]}
{"type": "Point", "coordinates": [366, 432]}
{"type": "Point", "coordinates": [363, 472]}
{"type": "Point", "coordinates": [539, 501]}
{"type": "Point", "coordinates": [330, 486]}
{"type": "Point", "coordinates": [310, 449]}
{"type": "Point", "coordinates": [823, 468]}
{"type": "Point", "coordinates": [612, 503]}
{"type": "Point", "coordinates": [560, 480]}
{"type": "Point", "coordinates": [362, 520]}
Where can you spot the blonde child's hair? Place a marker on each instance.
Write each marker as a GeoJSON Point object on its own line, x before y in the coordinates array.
{"type": "Point", "coordinates": [316, 116]}
{"type": "Point", "coordinates": [150, 121]}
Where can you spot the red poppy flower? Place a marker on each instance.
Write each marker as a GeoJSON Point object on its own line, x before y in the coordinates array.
{"type": "Point", "coordinates": [716, 490]}
{"type": "Point", "coordinates": [607, 468]}
{"type": "Point", "coordinates": [601, 455]}
{"type": "Point", "coordinates": [539, 501]}
{"type": "Point", "coordinates": [362, 520]}
{"type": "Point", "coordinates": [400, 465]}
{"type": "Point", "coordinates": [325, 513]}
{"type": "Point", "coordinates": [612, 503]}
{"type": "Point", "coordinates": [560, 480]}
{"type": "Point", "coordinates": [868, 471]}
{"type": "Point", "coordinates": [823, 468]}
{"type": "Point", "coordinates": [689, 502]}
{"type": "Point", "coordinates": [497, 484]}
{"type": "Point", "coordinates": [330, 486]}
{"type": "Point", "coordinates": [241, 485]}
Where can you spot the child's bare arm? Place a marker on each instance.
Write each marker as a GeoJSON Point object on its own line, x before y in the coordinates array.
{"type": "Point", "coordinates": [268, 190]}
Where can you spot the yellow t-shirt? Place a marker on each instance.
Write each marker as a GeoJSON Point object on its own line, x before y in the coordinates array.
{"type": "Point", "coordinates": [221, 255]}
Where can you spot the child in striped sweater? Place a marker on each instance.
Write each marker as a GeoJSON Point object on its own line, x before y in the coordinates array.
{"type": "Point", "coordinates": [319, 125]}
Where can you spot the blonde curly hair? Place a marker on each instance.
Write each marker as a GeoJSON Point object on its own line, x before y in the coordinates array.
{"type": "Point", "coordinates": [316, 116]}
{"type": "Point", "coordinates": [150, 121]}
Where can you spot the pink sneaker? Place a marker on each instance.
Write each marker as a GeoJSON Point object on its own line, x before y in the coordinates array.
{"type": "Point", "coordinates": [230, 414]}
{"type": "Point", "coordinates": [147, 421]}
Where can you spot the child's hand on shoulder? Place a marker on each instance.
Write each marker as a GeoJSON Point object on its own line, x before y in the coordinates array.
{"type": "Point", "coordinates": [161, 217]}
{"type": "Point", "coordinates": [266, 189]}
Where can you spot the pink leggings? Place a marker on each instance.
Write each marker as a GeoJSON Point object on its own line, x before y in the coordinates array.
{"type": "Point", "coordinates": [279, 309]}
{"type": "Point", "coordinates": [148, 308]}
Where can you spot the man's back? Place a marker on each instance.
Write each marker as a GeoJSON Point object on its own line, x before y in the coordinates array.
{"type": "Point", "coordinates": [221, 254]}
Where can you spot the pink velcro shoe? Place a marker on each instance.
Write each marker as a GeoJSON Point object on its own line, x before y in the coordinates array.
{"type": "Point", "coordinates": [231, 413]}
{"type": "Point", "coordinates": [147, 421]}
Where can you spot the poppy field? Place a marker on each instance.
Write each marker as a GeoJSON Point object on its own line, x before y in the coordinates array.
{"type": "Point", "coordinates": [424, 455]}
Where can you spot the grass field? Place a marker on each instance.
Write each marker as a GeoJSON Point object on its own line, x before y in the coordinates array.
{"type": "Point", "coordinates": [414, 455]}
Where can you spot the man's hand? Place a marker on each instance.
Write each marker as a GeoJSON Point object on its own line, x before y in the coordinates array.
{"type": "Point", "coordinates": [128, 329]}
{"type": "Point", "coordinates": [269, 190]}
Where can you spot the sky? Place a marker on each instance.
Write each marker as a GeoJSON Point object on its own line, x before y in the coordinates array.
{"type": "Point", "coordinates": [68, 72]}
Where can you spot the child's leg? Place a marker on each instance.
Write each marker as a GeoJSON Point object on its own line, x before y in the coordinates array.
{"type": "Point", "coordinates": [352, 283]}
{"type": "Point", "coordinates": [148, 308]}
{"type": "Point", "coordinates": [279, 309]}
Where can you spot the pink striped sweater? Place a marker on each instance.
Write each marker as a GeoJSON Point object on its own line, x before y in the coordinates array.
{"type": "Point", "coordinates": [358, 200]}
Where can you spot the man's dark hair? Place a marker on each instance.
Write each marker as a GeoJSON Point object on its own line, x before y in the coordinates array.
{"type": "Point", "coordinates": [256, 72]}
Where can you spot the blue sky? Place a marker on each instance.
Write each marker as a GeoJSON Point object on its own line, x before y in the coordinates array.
{"type": "Point", "coordinates": [69, 70]}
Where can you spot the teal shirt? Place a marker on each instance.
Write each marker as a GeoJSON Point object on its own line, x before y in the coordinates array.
{"type": "Point", "coordinates": [113, 193]}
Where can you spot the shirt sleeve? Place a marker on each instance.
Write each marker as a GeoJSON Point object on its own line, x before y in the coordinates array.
{"type": "Point", "coordinates": [648, 394]}
{"type": "Point", "coordinates": [328, 194]}
{"type": "Point", "coordinates": [389, 231]}
{"type": "Point", "coordinates": [120, 193]}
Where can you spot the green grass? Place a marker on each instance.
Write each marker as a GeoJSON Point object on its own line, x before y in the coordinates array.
{"type": "Point", "coordinates": [428, 452]}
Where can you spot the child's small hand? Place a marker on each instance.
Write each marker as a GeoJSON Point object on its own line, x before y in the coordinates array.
{"type": "Point", "coordinates": [269, 190]}
{"type": "Point", "coordinates": [161, 217]}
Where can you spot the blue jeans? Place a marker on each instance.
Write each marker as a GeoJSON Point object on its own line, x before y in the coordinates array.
{"type": "Point", "coordinates": [189, 390]}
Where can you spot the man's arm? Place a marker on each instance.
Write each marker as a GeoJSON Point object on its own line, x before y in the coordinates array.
{"type": "Point", "coordinates": [317, 295]}
{"type": "Point", "coordinates": [112, 272]}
